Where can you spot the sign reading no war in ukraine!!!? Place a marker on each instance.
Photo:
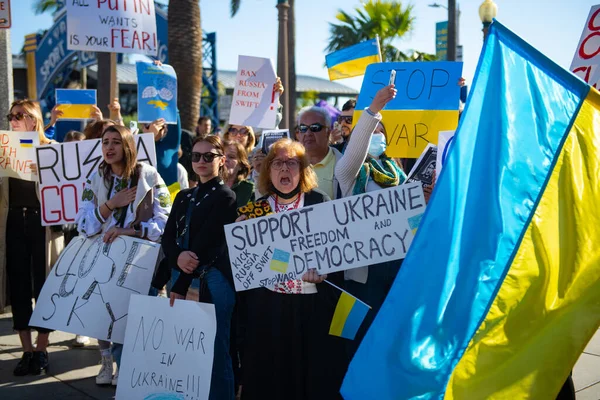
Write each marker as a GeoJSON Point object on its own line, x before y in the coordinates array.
{"type": "Point", "coordinates": [334, 236]}
{"type": "Point", "coordinates": [426, 103]}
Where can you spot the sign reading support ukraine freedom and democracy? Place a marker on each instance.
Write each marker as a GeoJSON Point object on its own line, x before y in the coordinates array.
{"type": "Point", "coordinates": [426, 103]}
{"type": "Point", "coordinates": [334, 236]}
{"type": "Point", "coordinates": [17, 153]}
{"type": "Point", "coordinates": [63, 169]}
{"type": "Point", "coordinates": [114, 26]}
{"type": "Point", "coordinates": [157, 92]}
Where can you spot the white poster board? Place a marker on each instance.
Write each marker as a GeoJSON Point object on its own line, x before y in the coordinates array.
{"type": "Point", "coordinates": [338, 235]}
{"type": "Point", "coordinates": [254, 102]}
{"type": "Point", "coordinates": [445, 140]}
{"type": "Point", "coordinates": [63, 169]}
{"type": "Point", "coordinates": [17, 153]}
{"type": "Point", "coordinates": [112, 26]}
{"type": "Point", "coordinates": [89, 287]}
{"type": "Point", "coordinates": [586, 62]}
{"type": "Point", "coordinates": [168, 351]}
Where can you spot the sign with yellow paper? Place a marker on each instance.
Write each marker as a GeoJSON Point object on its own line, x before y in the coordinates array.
{"type": "Point", "coordinates": [426, 103]}
{"type": "Point", "coordinates": [76, 104]}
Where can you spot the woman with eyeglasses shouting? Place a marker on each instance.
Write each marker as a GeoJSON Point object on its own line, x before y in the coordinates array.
{"type": "Point", "coordinates": [195, 247]}
{"type": "Point", "coordinates": [287, 351]}
{"type": "Point", "coordinates": [25, 246]}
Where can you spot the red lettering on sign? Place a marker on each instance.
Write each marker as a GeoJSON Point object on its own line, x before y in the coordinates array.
{"type": "Point", "coordinates": [582, 52]}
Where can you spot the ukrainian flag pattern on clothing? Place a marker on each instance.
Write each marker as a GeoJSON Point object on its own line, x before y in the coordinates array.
{"type": "Point", "coordinates": [353, 60]}
{"type": "Point", "coordinates": [500, 291]}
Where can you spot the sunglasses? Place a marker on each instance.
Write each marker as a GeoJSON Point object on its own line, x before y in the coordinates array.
{"type": "Point", "coordinates": [18, 116]}
{"type": "Point", "coordinates": [208, 157]}
{"type": "Point", "coordinates": [316, 127]}
{"type": "Point", "coordinates": [291, 164]}
{"type": "Point", "coordinates": [345, 118]}
{"type": "Point", "coordinates": [238, 132]}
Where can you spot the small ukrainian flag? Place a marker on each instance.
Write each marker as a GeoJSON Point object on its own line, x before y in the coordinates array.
{"type": "Point", "coordinates": [26, 142]}
{"type": "Point", "coordinates": [353, 60]}
{"type": "Point", "coordinates": [280, 261]}
{"type": "Point", "coordinates": [76, 104]}
{"type": "Point", "coordinates": [349, 314]}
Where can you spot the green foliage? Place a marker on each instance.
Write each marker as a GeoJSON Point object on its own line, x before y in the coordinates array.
{"type": "Point", "coordinates": [42, 6]}
{"type": "Point", "coordinates": [235, 6]}
{"type": "Point", "coordinates": [309, 98]}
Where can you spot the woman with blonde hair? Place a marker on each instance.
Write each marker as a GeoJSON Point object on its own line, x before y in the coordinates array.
{"type": "Point", "coordinates": [241, 134]}
{"type": "Point", "coordinates": [30, 249]}
{"type": "Point", "coordinates": [238, 169]}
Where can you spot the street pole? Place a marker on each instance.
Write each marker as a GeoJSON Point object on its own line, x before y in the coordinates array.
{"type": "Point", "coordinates": [6, 77]}
{"type": "Point", "coordinates": [108, 86]}
{"type": "Point", "coordinates": [451, 51]}
{"type": "Point", "coordinates": [282, 59]}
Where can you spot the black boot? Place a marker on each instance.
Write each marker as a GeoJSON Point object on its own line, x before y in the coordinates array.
{"type": "Point", "coordinates": [23, 367]}
{"type": "Point", "coordinates": [39, 363]}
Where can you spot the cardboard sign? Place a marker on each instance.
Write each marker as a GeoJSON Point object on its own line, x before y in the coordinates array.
{"type": "Point", "coordinates": [268, 138]}
{"type": "Point", "coordinates": [157, 92]}
{"type": "Point", "coordinates": [76, 104]}
{"type": "Point", "coordinates": [445, 140]}
{"type": "Point", "coordinates": [586, 62]}
{"type": "Point", "coordinates": [17, 152]}
{"type": "Point", "coordinates": [334, 236]}
{"type": "Point", "coordinates": [254, 101]}
{"type": "Point", "coordinates": [89, 287]}
{"type": "Point", "coordinates": [424, 168]}
{"type": "Point", "coordinates": [112, 26]}
{"type": "Point", "coordinates": [63, 169]}
{"type": "Point", "coordinates": [426, 103]}
{"type": "Point", "coordinates": [168, 351]}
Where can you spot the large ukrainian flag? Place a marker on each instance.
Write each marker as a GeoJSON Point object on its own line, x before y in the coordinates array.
{"type": "Point", "coordinates": [353, 60]}
{"type": "Point", "coordinates": [500, 291]}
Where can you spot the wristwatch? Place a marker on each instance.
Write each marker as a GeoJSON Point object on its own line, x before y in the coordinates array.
{"type": "Point", "coordinates": [137, 228]}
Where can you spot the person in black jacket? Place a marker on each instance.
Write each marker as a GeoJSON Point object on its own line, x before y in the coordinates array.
{"type": "Point", "coordinates": [194, 246]}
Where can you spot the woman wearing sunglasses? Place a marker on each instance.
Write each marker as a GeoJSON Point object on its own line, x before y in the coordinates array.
{"type": "Point", "coordinates": [27, 248]}
{"type": "Point", "coordinates": [238, 169]}
{"type": "Point", "coordinates": [287, 350]}
{"type": "Point", "coordinates": [194, 245]}
{"type": "Point", "coordinates": [122, 197]}
{"type": "Point", "coordinates": [241, 134]}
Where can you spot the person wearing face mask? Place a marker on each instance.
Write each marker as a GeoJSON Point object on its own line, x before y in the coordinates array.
{"type": "Point", "coordinates": [365, 168]}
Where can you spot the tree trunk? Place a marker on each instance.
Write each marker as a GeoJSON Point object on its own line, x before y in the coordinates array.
{"type": "Point", "coordinates": [185, 55]}
{"type": "Point", "coordinates": [292, 63]}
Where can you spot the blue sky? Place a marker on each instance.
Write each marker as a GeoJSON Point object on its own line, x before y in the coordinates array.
{"type": "Point", "coordinates": [552, 26]}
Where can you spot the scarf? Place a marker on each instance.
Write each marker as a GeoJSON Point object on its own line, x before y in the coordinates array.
{"type": "Point", "coordinates": [388, 176]}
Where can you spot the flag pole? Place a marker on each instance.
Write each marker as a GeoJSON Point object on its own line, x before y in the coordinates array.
{"type": "Point", "coordinates": [339, 288]}
{"type": "Point", "coordinates": [379, 48]}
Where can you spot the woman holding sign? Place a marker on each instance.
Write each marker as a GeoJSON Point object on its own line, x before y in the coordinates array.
{"type": "Point", "coordinates": [287, 352]}
{"type": "Point", "coordinates": [30, 248]}
{"type": "Point", "coordinates": [123, 197]}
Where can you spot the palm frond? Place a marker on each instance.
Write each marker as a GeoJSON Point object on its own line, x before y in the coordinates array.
{"type": "Point", "coordinates": [235, 7]}
{"type": "Point", "coordinates": [42, 6]}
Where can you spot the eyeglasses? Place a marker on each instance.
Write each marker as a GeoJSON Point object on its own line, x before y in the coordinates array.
{"type": "Point", "coordinates": [316, 127]}
{"type": "Point", "coordinates": [208, 157]}
{"type": "Point", "coordinates": [291, 164]}
{"type": "Point", "coordinates": [238, 132]}
{"type": "Point", "coordinates": [345, 118]}
{"type": "Point", "coordinates": [18, 116]}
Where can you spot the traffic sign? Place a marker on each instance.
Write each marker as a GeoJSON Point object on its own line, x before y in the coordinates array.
{"type": "Point", "coordinates": [5, 21]}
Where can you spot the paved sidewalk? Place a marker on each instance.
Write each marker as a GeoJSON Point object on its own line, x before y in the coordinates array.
{"type": "Point", "coordinates": [73, 370]}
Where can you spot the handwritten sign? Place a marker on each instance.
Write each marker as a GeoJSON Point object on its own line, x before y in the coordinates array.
{"type": "Point", "coordinates": [89, 287]}
{"type": "Point", "coordinates": [334, 236]}
{"type": "Point", "coordinates": [426, 103]}
{"type": "Point", "coordinates": [157, 92]}
{"type": "Point", "coordinates": [168, 351]}
{"type": "Point", "coordinates": [17, 152]}
{"type": "Point", "coordinates": [445, 140]}
{"type": "Point", "coordinates": [254, 101]}
{"type": "Point", "coordinates": [76, 104]}
{"type": "Point", "coordinates": [586, 61]}
{"type": "Point", "coordinates": [64, 168]}
{"type": "Point", "coordinates": [113, 26]}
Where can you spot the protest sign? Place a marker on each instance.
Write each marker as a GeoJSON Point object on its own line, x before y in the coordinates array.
{"type": "Point", "coordinates": [424, 168]}
{"type": "Point", "coordinates": [426, 103]}
{"type": "Point", "coordinates": [333, 236]}
{"type": "Point", "coordinates": [63, 169]}
{"type": "Point", "coordinates": [254, 101]}
{"type": "Point", "coordinates": [157, 92]}
{"type": "Point", "coordinates": [76, 104]}
{"type": "Point", "coordinates": [445, 140]}
{"type": "Point", "coordinates": [88, 289]}
{"type": "Point", "coordinates": [168, 351]}
{"type": "Point", "coordinates": [113, 26]}
{"type": "Point", "coordinates": [586, 62]}
{"type": "Point", "coordinates": [17, 153]}
{"type": "Point", "coordinates": [268, 138]}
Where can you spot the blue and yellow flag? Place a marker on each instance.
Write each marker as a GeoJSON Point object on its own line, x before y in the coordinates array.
{"type": "Point", "coordinates": [500, 291]}
{"type": "Point", "coordinates": [349, 315]}
{"type": "Point", "coordinates": [353, 60]}
{"type": "Point", "coordinates": [76, 104]}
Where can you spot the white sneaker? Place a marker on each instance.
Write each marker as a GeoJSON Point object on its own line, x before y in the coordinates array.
{"type": "Point", "coordinates": [81, 341]}
{"type": "Point", "coordinates": [105, 375]}
{"type": "Point", "coordinates": [115, 378]}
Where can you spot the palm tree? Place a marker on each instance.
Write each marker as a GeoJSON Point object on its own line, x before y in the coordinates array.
{"type": "Point", "coordinates": [42, 6]}
{"type": "Point", "coordinates": [389, 20]}
{"type": "Point", "coordinates": [185, 55]}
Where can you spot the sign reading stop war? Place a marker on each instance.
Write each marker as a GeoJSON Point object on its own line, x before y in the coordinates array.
{"type": "Point", "coordinates": [426, 103]}
{"type": "Point", "coordinates": [334, 236]}
{"type": "Point", "coordinates": [63, 169]}
{"type": "Point", "coordinates": [587, 56]}
{"type": "Point", "coordinates": [113, 26]}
